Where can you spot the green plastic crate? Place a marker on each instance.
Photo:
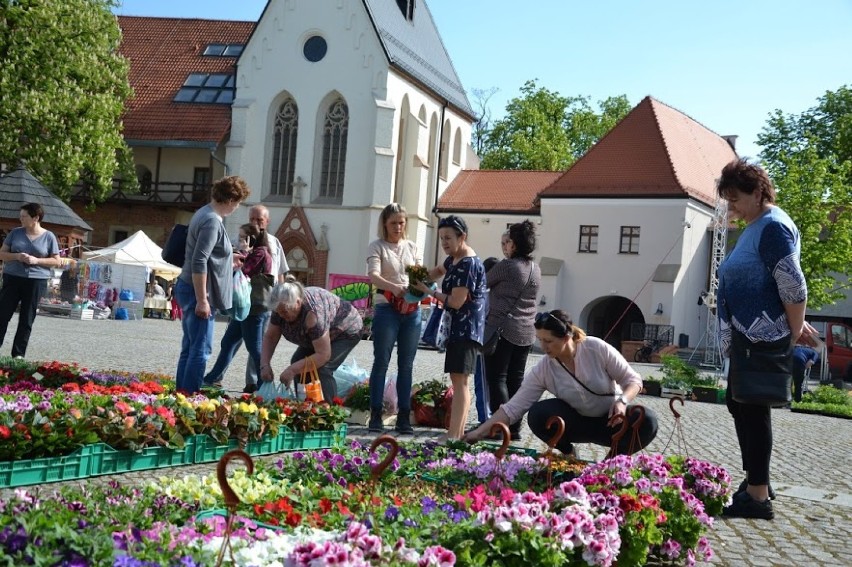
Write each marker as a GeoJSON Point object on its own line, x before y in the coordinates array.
{"type": "Point", "coordinates": [46, 469]}
{"type": "Point", "coordinates": [298, 440]}
{"type": "Point", "coordinates": [106, 460]}
{"type": "Point", "coordinates": [208, 450]}
{"type": "Point", "coordinates": [267, 445]}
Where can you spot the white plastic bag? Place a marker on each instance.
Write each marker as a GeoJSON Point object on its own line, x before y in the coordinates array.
{"type": "Point", "coordinates": [348, 375]}
{"type": "Point", "coordinates": [273, 390]}
{"type": "Point", "coordinates": [390, 402]}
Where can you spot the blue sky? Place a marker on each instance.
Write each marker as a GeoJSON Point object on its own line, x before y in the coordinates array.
{"type": "Point", "coordinates": [725, 63]}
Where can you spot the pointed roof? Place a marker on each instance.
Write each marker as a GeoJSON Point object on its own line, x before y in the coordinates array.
{"type": "Point", "coordinates": [162, 53]}
{"type": "Point", "coordinates": [489, 190]}
{"type": "Point", "coordinates": [20, 187]}
{"type": "Point", "coordinates": [415, 47]}
{"type": "Point", "coordinates": [655, 151]}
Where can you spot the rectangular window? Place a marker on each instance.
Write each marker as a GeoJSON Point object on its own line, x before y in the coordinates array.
{"type": "Point", "coordinates": [588, 239]}
{"type": "Point", "coordinates": [119, 235]}
{"type": "Point", "coordinates": [629, 240]}
{"type": "Point", "coordinates": [201, 181]}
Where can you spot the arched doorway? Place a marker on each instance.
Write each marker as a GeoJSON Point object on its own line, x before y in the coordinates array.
{"type": "Point", "coordinates": [610, 318]}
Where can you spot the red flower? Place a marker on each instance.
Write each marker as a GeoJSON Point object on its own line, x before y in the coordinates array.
{"type": "Point", "coordinates": [337, 401]}
{"type": "Point", "coordinates": [5, 432]}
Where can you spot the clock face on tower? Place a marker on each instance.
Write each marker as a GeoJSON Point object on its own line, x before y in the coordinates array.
{"type": "Point", "coordinates": [315, 48]}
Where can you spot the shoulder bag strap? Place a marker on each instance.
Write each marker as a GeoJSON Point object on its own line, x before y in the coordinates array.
{"type": "Point", "coordinates": [589, 390]}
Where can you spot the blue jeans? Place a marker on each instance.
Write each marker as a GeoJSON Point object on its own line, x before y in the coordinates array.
{"type": "Point", "coordinates": [249, 331]}
{"type": "Point", "coordinates": [480, 390]}
{"type": "Point", "coordinates": [389, 327]}
{"type": "Point", "coordinates": [197, 343]}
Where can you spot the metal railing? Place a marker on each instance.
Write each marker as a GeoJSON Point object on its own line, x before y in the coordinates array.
{"type": "Point", "coordinates": [161, 193]}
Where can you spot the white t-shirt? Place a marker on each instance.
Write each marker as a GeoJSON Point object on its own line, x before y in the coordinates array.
{"type": "Point", "coordinates": [279, 259]}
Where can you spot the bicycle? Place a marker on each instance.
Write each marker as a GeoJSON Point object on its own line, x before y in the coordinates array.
{"type": "Point", "coordinates": [644, 353]}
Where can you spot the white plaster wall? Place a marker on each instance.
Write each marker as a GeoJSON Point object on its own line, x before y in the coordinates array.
{"type": "Point", "coordinates": [664, 239]}
{"type": "Point", "coordinates": [355, 66]}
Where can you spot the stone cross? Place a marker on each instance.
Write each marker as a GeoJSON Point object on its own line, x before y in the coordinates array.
{"type": "Point", "coordinates": [298, 185]}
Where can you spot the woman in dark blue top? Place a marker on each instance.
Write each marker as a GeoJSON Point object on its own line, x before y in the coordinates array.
{"type": "Point", "coordinates": [762, 297]}
{"type": "Point", "coordinates": [463, 295]}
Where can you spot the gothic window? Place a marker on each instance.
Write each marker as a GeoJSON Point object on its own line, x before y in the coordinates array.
{"type": "Point", "coordinates": [335, 131]}
{"type": "Point", "coordinates": [285, 132]}
{"type": "Point", "coordinates": [457, 148]}
{"type": "Point", "coordinates": [407, 8]}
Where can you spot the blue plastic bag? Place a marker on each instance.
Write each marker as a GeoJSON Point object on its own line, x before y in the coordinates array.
{"type": "Point", "coordinates": [348, 375]}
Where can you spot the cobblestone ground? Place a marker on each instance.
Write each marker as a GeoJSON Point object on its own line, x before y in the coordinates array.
{"type": "Point", "coordinates": [811, 466]}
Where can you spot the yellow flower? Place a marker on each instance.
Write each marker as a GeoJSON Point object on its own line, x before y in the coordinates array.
{"type": "Point", "coordinates": [263, 413]}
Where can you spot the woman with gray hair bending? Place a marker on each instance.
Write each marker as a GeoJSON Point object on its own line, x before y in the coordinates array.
{"type": "Point", "coordinates": [319, 323]}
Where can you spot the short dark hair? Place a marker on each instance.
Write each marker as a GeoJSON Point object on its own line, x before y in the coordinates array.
{"type": "Point", "coordinates": [229, 189]}
{"type": "Point", "coordinates": [455, 222]}
{"type": "Point", "coordinates": [490, 262]}
{"type": "Point", "coordinates": [522, 235]}
{"type": "Point", "coordinates": [741, 175]}
{"type": "Point", "coordinates": [34, 210]}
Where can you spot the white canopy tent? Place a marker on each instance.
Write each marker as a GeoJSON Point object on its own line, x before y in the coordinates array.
{"type": "Point", "coordinates": [136, 250]}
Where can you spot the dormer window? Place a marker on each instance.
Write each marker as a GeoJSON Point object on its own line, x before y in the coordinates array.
{"type": "Point", "coordinates": [223, 50]}
{"type": "Point", "coordinates": [207, 88]}
{"type": "Point", "coordinates": [407, 9]}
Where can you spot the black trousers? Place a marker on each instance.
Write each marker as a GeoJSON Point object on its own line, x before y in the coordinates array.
{"type": "Point", "coordinates": [798, 380]}
{"type": "Point", "coordinates": [583, 429]}
{"type": "Point", "coordinates": [26, 292]}
{"type": "Point", "coordinates": [753, 425]}
{"type": "Point", "coordinates": [504, 373]}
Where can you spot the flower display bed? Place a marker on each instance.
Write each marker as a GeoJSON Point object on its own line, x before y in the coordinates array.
{"type": "Point", "coordinates": [62, 422]}
{"type": "Point", "coordinates": [343, 507]}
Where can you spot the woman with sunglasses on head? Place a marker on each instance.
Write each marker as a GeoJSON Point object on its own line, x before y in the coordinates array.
{"type": "Point", "coordinates": [592, 384]}
{"type": "Point", "coordinates": [463, 295]}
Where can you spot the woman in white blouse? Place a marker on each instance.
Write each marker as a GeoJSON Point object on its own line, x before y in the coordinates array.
{"type": "Point", "coordinates": [592, 384]}
{"type": "Point", "coordinates": [396, 322]}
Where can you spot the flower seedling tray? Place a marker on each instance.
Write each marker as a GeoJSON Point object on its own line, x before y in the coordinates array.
{"type": "Point", "coordinates": [46, 469]}
{"type": "Point", "coordinates": [106, 460]}
{"type": "Point", "coordinates": [523, 451]}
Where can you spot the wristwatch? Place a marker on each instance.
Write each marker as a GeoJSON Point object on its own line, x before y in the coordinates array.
{"type": "Point", "coordinates": [623, 399]}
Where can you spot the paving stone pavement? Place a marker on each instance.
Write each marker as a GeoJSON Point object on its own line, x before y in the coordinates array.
{"type": "Point", "coordinates": [811, 466]}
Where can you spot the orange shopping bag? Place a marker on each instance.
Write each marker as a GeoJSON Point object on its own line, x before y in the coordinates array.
{"type": "Point", "coordinates": [310, 381]}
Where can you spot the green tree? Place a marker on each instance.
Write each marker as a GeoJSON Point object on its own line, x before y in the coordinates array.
{"type": "Point", "coordinates": [543, 130]}
{"type": "Point", "coordinates": [62, 90]}
{"type": "Point", "coordinates": [809, 157]}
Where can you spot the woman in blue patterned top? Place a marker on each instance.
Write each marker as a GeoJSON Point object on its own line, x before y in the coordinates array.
{"type": "Point", "coordinates": [762, 297]}
{"type": "Point", "coordinates": [463, 295]}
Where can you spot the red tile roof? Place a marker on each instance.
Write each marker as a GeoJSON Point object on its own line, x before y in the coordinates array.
{"type": "Point", "coordinates": [655, 151]}
{"type": "Point", "coordinates": [495, 191]}
{"type": "Point", "coordinates": [162, 53]}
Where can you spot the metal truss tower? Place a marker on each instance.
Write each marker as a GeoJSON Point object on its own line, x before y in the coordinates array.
{"type": "Point", "coordinates": [713, 352]}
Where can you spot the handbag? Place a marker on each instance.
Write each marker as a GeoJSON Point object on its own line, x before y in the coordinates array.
{"type": "Point", "coordinates": [310, 381]}
{"type": "Point", "coordinates": [492, 333]}
{"type": "Point", "coordinates": [760, 373]}
{"type": "Point", "coordinates": [261, 284]}
{"type": "Point", "coordinates": [442, 334]}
